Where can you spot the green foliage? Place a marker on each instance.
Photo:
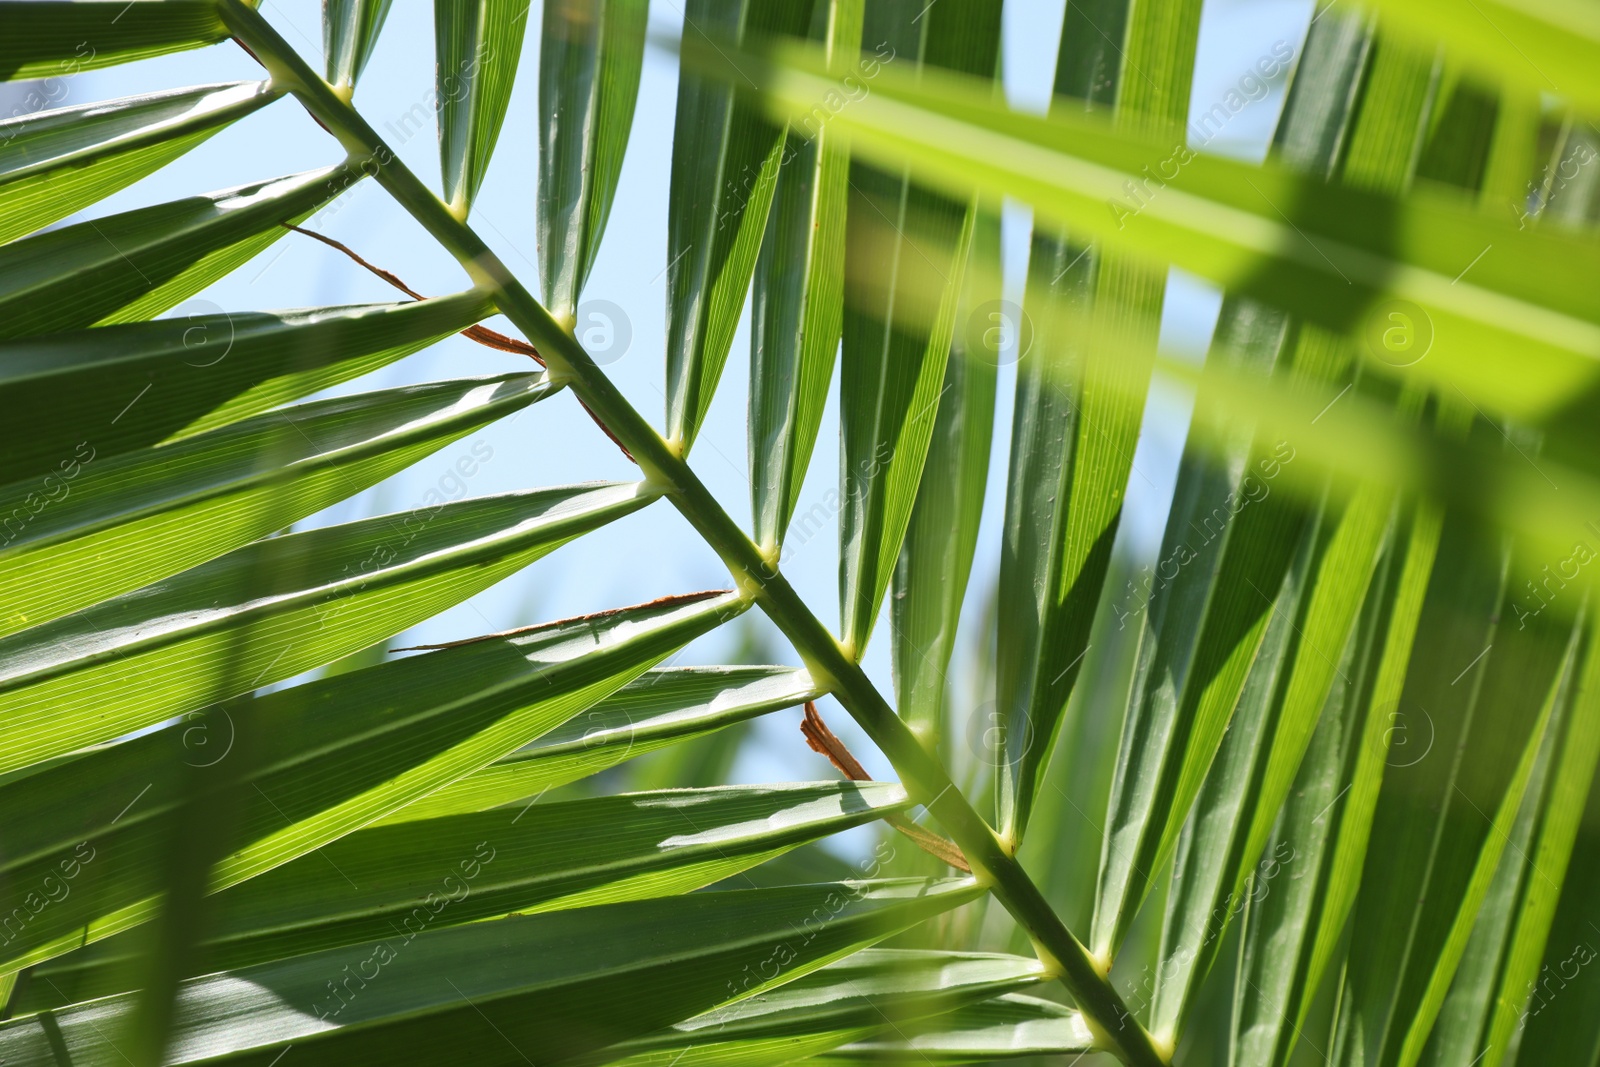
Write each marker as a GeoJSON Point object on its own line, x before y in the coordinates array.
{"type": "Point", "coordinates": [1335, 746]}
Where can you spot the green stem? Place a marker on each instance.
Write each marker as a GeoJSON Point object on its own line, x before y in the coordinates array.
{"type": "Point", "coordinates": [922, 774]}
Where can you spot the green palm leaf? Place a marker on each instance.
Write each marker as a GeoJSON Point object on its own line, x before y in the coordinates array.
{"type": "Point", "coordinates": [1555, 1016]}
{"type": "Point", "coordinates": [1091, 428]}
{"type": "Point", "coordinates": [350, 31]}
{"type": "Point", "coordinates": [1558, 808]}
{"type": "Point", "coordinates": [859, 997]}
{"type": "Point", "coordinates": [139, 263]}
{"type": "Point", "coordinates": [271, 610]}
{"type": "Point", "coordinates": [1358, 712]}
{"type": "Point", "coordinates": [62, 38]}
{"type": "Point", "coordinates": [1258, 230]}
{"type": "Point", "coordinates": [589, 63]}
{"type": "Point", "coordinates": [725, 160]}
{"type": "Point", "coordinates": [317, 761]}
{"type": "Point", "coordinates": [60, 161]}
{"type": "Point", "coordinates": [1268, 735]}
{"type": "Point", "coordinates": [1442, 824]}
{"type": "Point", "coordinates": [1547, 46]}
{"type": "Point", "coordinates": [661, 708]}
{"type": "Point", "coordinates": [1007, 1027]}
{"type": "Point", "coordinates": [1495, 971]}
{"type": "Point", "coordinates": [796, 313]}
{"type": "Point", "coordinates": [477, 44]}
{"type": "Point", "coordinates": [930, 579]}
{"type": "Point", "coordinates": [906, 252]}
{"type": "Point", "coordinates": [142, 516]}
{"type": "Point", "coordinates": [546, 984]}
{"type": "Point", "coordinates": [201, 372]}
{"type": "Point", "coordinates": [547, 857]}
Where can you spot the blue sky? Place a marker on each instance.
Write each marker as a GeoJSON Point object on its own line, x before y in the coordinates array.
{"type": "Point", "coordinates": [654, 552]}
